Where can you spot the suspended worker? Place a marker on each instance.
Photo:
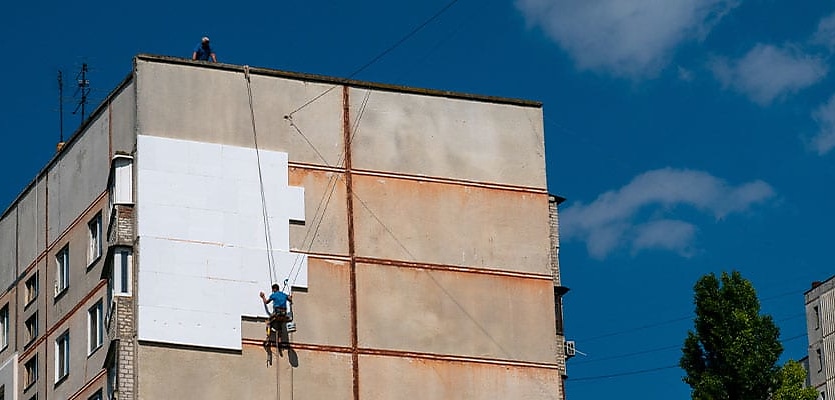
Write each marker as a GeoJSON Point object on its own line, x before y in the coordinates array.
{"type": "Point", "coordinates": [203, 51]}
{"type": "Point", "coordinates": [279, 300]}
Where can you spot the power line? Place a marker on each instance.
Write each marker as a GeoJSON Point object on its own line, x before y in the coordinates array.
{"type": "Point", "coordinates": [379, 56]}
{"type": "Point", "coordinates": [627, 373]}
{"type": "Point", "coordinates": [683, 318]}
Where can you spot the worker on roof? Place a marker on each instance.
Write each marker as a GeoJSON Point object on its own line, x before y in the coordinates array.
{"type": "Point", "coordinates": [203, 51]}
{"type": "Point", "coordinates": [279, 300]}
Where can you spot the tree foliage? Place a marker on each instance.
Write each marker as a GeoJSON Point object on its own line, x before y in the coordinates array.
{"type": "Point", "coordinates": [732, 353]}
{"type": "Point", "coordinates": [790, 383]}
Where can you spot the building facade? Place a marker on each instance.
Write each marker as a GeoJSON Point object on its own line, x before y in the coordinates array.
{"type": "Point", "coordinates": [413, 228]}
{"type": "Point", "coordinates": [820, 328]}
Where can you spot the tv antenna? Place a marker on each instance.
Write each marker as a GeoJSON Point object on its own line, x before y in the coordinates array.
{"type": "Point", "coordinates": [83, 89]}
{"type": "Point", "coordinates": [61, 106]}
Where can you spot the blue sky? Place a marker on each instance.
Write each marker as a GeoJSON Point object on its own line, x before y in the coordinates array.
{"type": "Point", "coordinates": [689, 136]}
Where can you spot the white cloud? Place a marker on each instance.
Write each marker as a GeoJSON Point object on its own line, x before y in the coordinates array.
{"type": "Point", "coordinates": [629, 38]}
{"type": "Point", "coordinates": [824, 115]}
{"type": "Point", "coordinates": [666, 234]}
{"type": "Point", "coordinates": [825, 35]}
{"type": "Point", "coordinates": [616, 218]}
{"type": "Point", "coordinates": [768, 72]}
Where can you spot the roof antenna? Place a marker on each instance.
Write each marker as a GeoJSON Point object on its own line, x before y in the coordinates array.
{"type": "Point", "coordinates": [83, 89]}
{"type": "Point", "coordinates": [60, 111]}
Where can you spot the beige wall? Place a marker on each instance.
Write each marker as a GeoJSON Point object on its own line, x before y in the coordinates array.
{"type": "Point", "coordinates": [451, 138]}
{"type": "Point", "coordinates": [446, 290]}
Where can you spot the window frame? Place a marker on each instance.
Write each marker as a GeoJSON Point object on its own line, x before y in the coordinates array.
{"type": "Point", "coordinates": [32, 289]}
{"type": "Point", "coordinates": [122, 273]}
{"type": "Point", "coordinates": [30, 372]}
{"type": "Point", "coordinates": [94, 245]}
{"type": "Point", "coordinates": [4, 327]}
{"type": "Point", "coordinates": [31, 328]}
{"type": "Point", "coordinates": [95, 327]}
{"type": "Point", "coordinates": [62, 357]}
{"type": "Point", "coordinates": [62, 275]}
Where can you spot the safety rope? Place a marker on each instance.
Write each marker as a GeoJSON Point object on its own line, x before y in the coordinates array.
{"type": "Point", "coordinates": [264, 212]}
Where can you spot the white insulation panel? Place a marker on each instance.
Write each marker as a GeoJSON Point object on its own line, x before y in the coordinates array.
{"type": "Point", "coordinates": [203, 254]}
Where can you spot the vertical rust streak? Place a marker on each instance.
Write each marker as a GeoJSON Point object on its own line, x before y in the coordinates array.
{"type": "Point", "coordinates": [346, 132]}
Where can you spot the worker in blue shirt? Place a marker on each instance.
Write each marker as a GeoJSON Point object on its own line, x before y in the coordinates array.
{"type": "Point", "coordinates": [279, 300]}
{"type": "Point", "coordinates": [203, 51]}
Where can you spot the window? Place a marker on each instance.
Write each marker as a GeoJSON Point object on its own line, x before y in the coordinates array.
{"type": "Point", "coordinates": [817, 317]}
{"type": "Point", "coordinates": [95, 327]}
{"type": "Point", "coordinates": [31, 325]}
{"type": "Point", "coordinates": [820, 360]}
{"type": "Point", "coordinates": [30, 371]}
{"type": "Point", "coordinates": [123, 258]}
{"type": "Point", "coordinates": [62, 276]}
{"type": "Point", "coordinates": [4, 328]}
{"type": "Point", "coordinates": [113, 381]}
{"type": "Point", "coordinates": [94, 247]}
{"type": "Point", "coordinates": [95, 396]}
{"type": "Point", "coordinates": [121, 181]}
{"type": "Point", "coordinates": [31, 291]}
{"type": "Point", "coordinates": [62, 356]}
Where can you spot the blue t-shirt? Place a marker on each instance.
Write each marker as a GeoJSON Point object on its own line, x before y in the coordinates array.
{"type": "Point", "coordinates": [203, 54]}
{"type": "Point", "coordinates": [279, 299]}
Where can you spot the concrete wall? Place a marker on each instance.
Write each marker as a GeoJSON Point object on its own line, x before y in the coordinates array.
{"type": "Point", "coordinates": [429, 251]}
{"type": "Point", "coordinates": [450, 138]}
{"type": "Point", "coordinates": [8, 249]}
{"type": "Point", "coordinates": [8, 378]}
{"type": "Point", "coordinates": [441, 223]}
{"type": "Point", "coordinates": [194, 103]}
{"type": "Point", "coordinates": [79, 176]}
{"type": "Point", "coordinates": [32, 231]}
{"type": "Point", "coordinates": [123, 123]}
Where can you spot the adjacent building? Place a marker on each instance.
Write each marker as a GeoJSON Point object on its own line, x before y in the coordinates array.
{"type": "Point", "coordinates": [413, 227]}
{"type": "Point", "coordinates": [820, 327]}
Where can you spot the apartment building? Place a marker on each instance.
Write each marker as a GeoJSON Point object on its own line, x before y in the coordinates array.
{"type": "Point", "coordinates": [413, 227]}
{"type": "Point", "coordinates": [820, 328]}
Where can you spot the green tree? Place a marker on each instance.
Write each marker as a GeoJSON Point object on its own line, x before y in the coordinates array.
{"type": "Point", "coordinates": [790, 381]}
{"type": "Point", "coordinates": [733, 351]}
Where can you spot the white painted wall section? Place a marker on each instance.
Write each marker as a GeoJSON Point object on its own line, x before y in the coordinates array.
{"type": "Point", "coordinates": [8, 378]}
{"type": "Point", "coordinates": [202, 248]}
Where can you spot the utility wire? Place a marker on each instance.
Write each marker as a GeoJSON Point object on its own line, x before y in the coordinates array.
{"type": "Point", "coordinates": [627, 373]}
{"type": "Point", "coordinates": [679, 319]}
{"type": "Point", "coordinates": [379, 56]}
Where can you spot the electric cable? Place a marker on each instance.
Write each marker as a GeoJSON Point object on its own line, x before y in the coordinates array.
{"type": "Point", "coordinates": [379, 56]}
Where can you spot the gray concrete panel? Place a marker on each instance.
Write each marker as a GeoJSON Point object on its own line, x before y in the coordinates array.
{"type": "Point", "coordinates": [123, 113]}
{"type": "Point", "coordinates": [405, 378]}
{"type": "Point", "coordinates": [194, 103]}
{"type": "Point", "coordinates": [325, 229]}
{"type": "Point", "coordinates": [32, 214]}
{"type": "Point", "coordinates": [175, 373]}
{"type": "Point", "coordinates": [8, 249]}
{"type": "Point", "coordinates": [450, 224]}
{"type": "Point", "coordinates": [463, 314]}
{"type": "Point", "coordinates": [11, 350]}
{"type": "Point", "coordinates": [450, 138]}
{"type": "Point", "coordinates": [79, 176]}
{"type": "Point", "coordinates": [84, 275]}
{"type": "Point", "coordinates": [84, 365]}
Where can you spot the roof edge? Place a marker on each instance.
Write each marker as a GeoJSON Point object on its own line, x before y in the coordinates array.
{"type": "Point", "coordinates": [339, 81]}
{"type": "Point", "coordinates": [69, 142]}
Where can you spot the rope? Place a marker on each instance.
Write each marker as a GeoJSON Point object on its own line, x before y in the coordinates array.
{"type": "Point", "coordinates": [264, 213]}
{"type": "Point", "coordinates": [331, 185]}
